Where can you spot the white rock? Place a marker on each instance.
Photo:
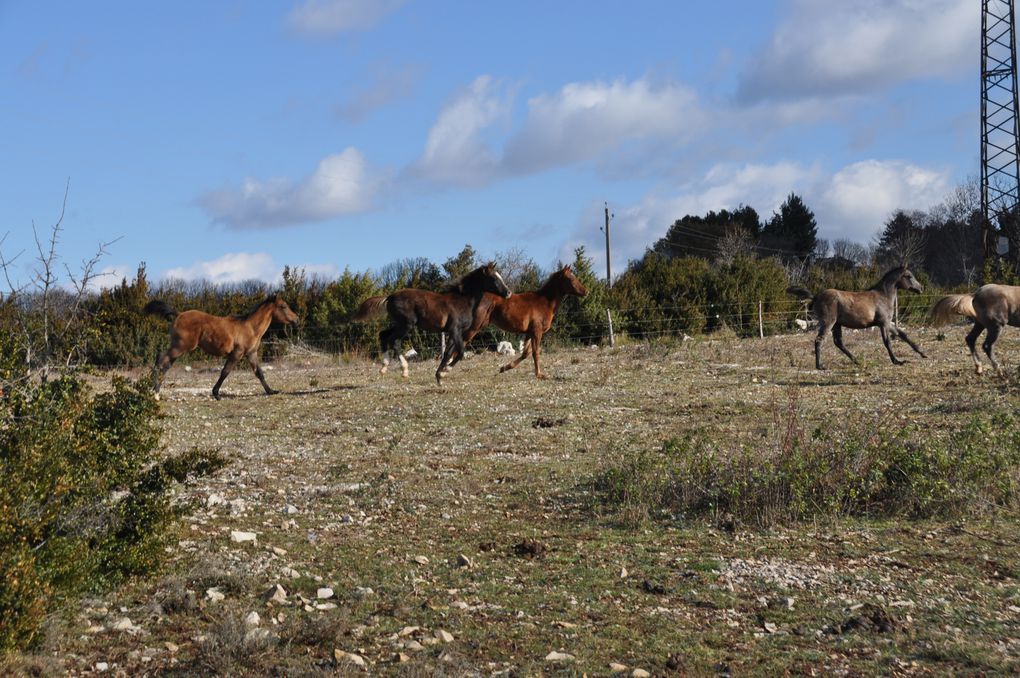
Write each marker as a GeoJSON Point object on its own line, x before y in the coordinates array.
{"type": "Point", "coordinates": [363, 592]}
{"type": "Point", "coordinates": [236, 506]}
{"type": "Point", "coordinates": [213, 500]}
{"type": "Point", "coordinates": [559, 657]}
{"type": "Point", "coordinates": [277, 594]}
{"type": "Point", "coordinates": [102, 666]}
{"type": "Point", "coordinates": [444, 636]}
{"type": "Point", "coordinates": [239, 537]}
{"type": "Point", "coordinates": [125, 624]}
{"type": "Point", "coordinates": [252, 620]}
{"type": "Point", "coordinates": [214, 595]}
{"type": "Point", "coordinates": [324, 593]}
{"type": "Point", "coordinates": [290, 509]}
{"type": "Point", "coordinates": [505, 348]}
{"type": "Point", "coordinates": [356, 659]}
{"type": "Point", "coordinates": [325, 606]}
{"type": "Point", "coordinates": [616, 667]}
{"type": "Point", "coordinates": [639, 673]}
{"type": "Point", "coordinates": [410, 353]}
{"type": "Point", "coordinates": [290, 572]}
{"type": "Point", "coordinates": [421, 560]}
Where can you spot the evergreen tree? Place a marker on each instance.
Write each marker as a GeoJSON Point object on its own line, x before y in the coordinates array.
{"type": "Point", "coordinates": [792, 232]}
{"type": "Point", "coordinates": [462, 264]}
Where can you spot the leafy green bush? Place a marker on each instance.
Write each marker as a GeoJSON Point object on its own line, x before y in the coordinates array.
{"type": "Point", "coordinates": [854, 471]}
{"type": "Point", "coordinates": [84, 500]}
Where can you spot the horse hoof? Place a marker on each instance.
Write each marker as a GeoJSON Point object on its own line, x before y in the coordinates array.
{"type": "Point", "coordinates": [156, 396]}
{"type": "Point", "coordinates": [217, 396]}
{"type": "Point", "coordinates": [271, 392]}
{"type": "Point", "coordinates": [405, 375]}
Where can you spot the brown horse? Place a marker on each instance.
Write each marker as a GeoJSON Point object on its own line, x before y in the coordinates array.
{"type": "Point", "coordinates": [452, 312]}
{"type": "Point", "coordinates": [991, 306]}
{"type": "Point", "coordinates": [836, 309]}
{"type": "Point", "coordinates": [233, 336]}
{"type": "Point", "coordinates": [528, 313]}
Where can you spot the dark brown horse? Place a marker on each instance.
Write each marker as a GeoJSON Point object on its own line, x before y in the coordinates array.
{"type": "Point", "coordinates": [233, 336]}
{"type": "Point", "coordinates": [528, 313]}
{"type": "Point", "coordinates": [452, 312]}
{"type": "Point", "coordinates": [836, 309]}
{"type": "Point", "coordinates": [992, 307]}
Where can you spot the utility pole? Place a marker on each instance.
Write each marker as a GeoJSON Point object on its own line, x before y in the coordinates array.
{"type": "Point", "coordinates": [609, 277]}
{"type": "Point", "coordinates": [609, 265]}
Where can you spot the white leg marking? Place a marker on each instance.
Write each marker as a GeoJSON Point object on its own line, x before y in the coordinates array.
{"type": "Point", "coordinates": [403, 364]}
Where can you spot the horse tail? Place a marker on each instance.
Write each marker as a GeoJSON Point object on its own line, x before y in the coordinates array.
{"type": "Point", "coordinates": [369, 309]}
{"type": "Point", "coordinates": [954, 304]}
{"type": "Point", "coordinates": [160, 308]}
{"type": "Point", "coordinates": [800, 292]}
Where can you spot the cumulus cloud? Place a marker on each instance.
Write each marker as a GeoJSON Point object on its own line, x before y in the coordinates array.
{"type": "Point", "coordinates": [853, 203]}
{"type": "Point", "coordinates": [455, 150]}
{"type": "Point", "coordinates": [338, 186]}
{"type": "Point", "coordinates": [581, 122]}
{"type": "Point", "coordinates": [852, 47]}
{"type": "Point", "coordinates": [584, 120]}
{"type": "Point", "coordinates": [857, 200]}
{"type": "Point", "coordinates": [240, 266]}
{"type": "Point", "coordinates": [329, 17]}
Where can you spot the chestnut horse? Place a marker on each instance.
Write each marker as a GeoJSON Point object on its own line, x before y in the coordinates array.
{"type": "Point", "coordinates": [836, 309]}
{"type": "Point", "coordinates": [528, 313]}
{"type": "Point", "coordinates": [452, 312]}
{"type": "Point", "coordinates": [232, 336]}
{"type": "Point", "coordinates": [991, 306]}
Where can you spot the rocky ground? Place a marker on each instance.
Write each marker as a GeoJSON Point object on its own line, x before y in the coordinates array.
{"type": "Point", "coordinates": [369, 523]}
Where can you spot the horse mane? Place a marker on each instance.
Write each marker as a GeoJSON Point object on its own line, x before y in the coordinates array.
{"type": "Point", "coordinates": [254, 309]}
{"type": "Point", "coordinates": [458, 284]}
{"type": "Point", "coordinates": [552, 283]}
{"type": "Point", "coordinates": [892, 274]}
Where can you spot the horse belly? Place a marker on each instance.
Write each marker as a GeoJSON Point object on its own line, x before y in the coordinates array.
{"type": "Point", "coordinates": [216, 342]}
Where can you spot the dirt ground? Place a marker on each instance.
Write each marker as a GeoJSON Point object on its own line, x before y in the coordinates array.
{"type": "Point", "coordinates": [419, 530]}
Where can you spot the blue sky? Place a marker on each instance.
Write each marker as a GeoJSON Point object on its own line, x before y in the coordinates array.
{"type": "Point", "coordinates": [227, 139]}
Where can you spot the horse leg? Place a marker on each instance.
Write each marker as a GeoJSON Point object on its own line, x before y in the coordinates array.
{"type": "Point", "coordinates": [227, 369]}
{"type": "Point", "coordinates": [163, 363]}
{"type": "Point", "coordinates": [536, 345]}
{"type": "Point", "coordinates": [823, 329]}
{"type": "Point", "coordinates": [993, 334]}
{"type": "Point", "coordinates": [971, 340]}
{"type": "Point", "coordinates": [903, 335]}
{"type": "Point", "coordinates": [455, 348]}
{"type": "Point", "coordinates": [837, 339]}
{"type": "Point", "coordinates": [384, 350]}
{"type": "Point", "coordinates": [525, 352]}
{"type": "Point", "coordinates": [888, 345]}
{"type": "Point", "coordinates": [253, 358]}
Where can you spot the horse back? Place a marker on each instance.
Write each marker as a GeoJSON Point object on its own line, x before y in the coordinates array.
{"type": "Point", "coordinates": [997, 303]}
{"type": "Point", "coordinates": [855, 310]}
{"type": "Point", "coordinates": [214, 334]}
{"type": "Point", "coordinates": [523, 311]}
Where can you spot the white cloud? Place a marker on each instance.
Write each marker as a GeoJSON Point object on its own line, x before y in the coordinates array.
{"type": "Point", "coordinates": [855, 46]}
{"type": "Point", "coordinates": [240, 266]}
{"type": "Point", "coordinates": [338, 186]}
{"type": "Point", "coordinates": [853, 203]}
{"type": "Point", "coordinates": [455, 152]}
{"type": "Point", "coordinates": [584, 120]}
{"type": "Point", "coordinates": [856, 202]}
{"type": "Point", "coordinates": [110, 276]}
{"type": "Point", "coordinates": [328, 17]}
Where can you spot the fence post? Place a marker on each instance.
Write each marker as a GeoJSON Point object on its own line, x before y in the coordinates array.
{"type": "Point", "coordinates": [761, 321]}
{"type": "Point", "coordinates": [612, 339]}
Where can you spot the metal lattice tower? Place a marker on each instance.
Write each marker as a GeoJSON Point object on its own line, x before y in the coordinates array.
{"type": "Point", "coordinates": [1000, 152]}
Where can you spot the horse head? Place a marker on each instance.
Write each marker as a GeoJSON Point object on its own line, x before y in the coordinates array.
{"type": "Point", "coordinates": [282, 313]}
{"type": "Point", "coordinates": [908, 282]}
{"type": "Point", "coordinates": [492, 281]}
{"type": "Point", "coordinates": [574, 285]}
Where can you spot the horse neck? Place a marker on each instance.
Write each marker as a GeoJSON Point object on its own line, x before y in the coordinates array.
{"type": "Point", "coordinates": [554, 290]}
{"type": "Point", "coordinates": [260, 318]}
{"type": "Point", "coordinates": [887, 285]}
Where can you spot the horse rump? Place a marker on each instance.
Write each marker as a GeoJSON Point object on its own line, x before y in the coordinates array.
{"type": "Point", "coordinates": [370, 308]}
{"type": "Point", "coordinates": [160, 308]}
{"type": "Point", "coordinates": [952, 305]}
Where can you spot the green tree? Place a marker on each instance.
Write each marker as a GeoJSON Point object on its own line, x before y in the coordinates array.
{"type": "Point", "coordinates": [792, 231]}
{"type": "Point", "coordinates": [461, 264]}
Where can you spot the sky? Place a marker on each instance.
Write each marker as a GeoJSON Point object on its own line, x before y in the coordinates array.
{"type": "Point", "coordinates": [224, 140]}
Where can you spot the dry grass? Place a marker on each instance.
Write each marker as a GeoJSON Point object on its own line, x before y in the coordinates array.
{"type": "Point", "coordinates": [393, 481]}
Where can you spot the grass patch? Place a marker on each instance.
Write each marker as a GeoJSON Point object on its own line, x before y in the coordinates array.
{"type": "Point", "coordinates": [856, 469]}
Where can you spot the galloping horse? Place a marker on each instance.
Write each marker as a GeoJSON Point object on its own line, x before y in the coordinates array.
{"type": "Point", "coordinates": [232, 336]}
{"type": "Point", "coordinates": [452, 312]}
{"type": "Point", "coordinates": [991, 306]}
{"type": "Point", "coordinates": [836, 309]}
{"type": "Point", "coordinates": [528, 313]}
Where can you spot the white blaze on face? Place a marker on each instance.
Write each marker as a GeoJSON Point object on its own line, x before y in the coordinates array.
{"type": "Point", "coordinates": [500, 279]}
